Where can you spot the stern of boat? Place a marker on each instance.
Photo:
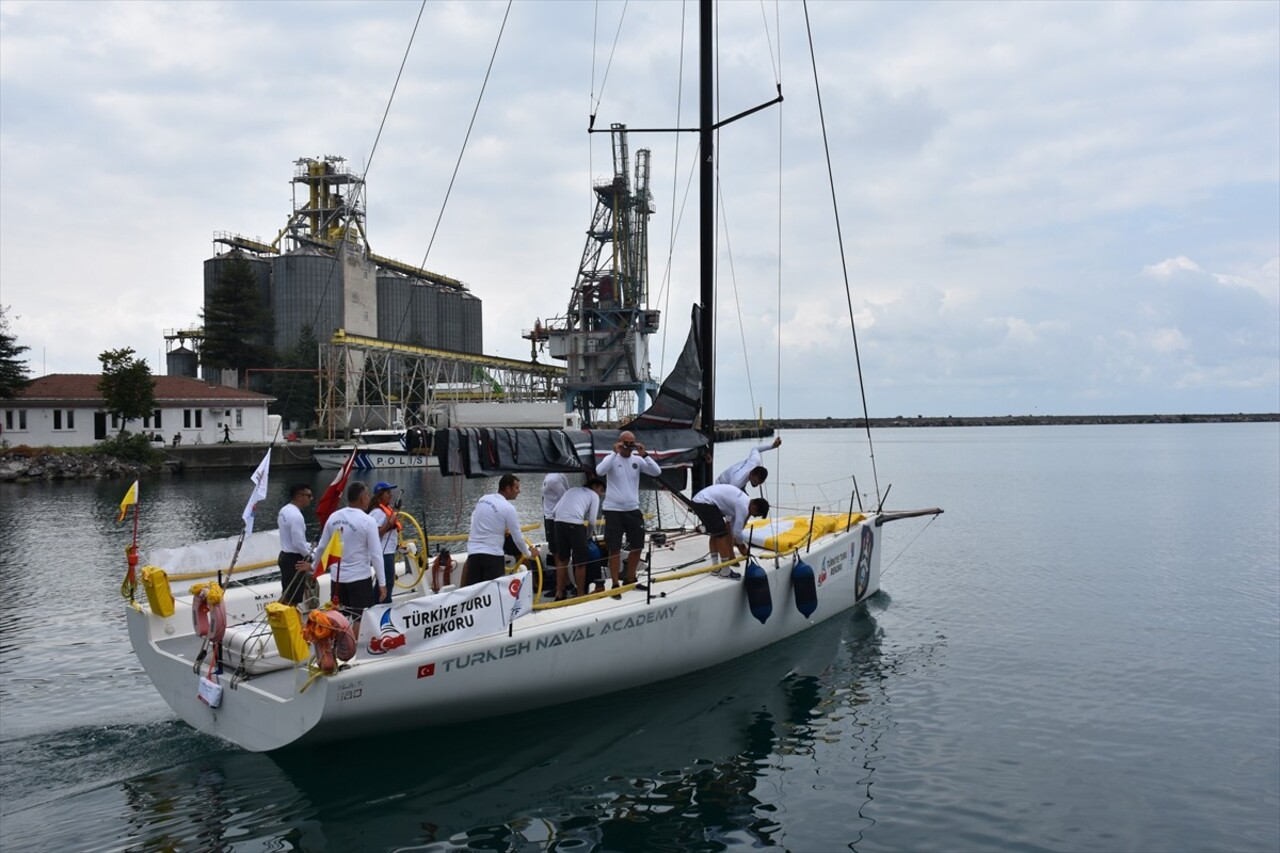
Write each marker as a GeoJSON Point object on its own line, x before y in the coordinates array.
{"type": "Point", "coordinates": [261, 714]}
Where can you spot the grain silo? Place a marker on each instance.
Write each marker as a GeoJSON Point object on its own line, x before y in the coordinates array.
{"type": "Point", "coordinates": [472, 324]}
{"type": "Point", "coordinates": [306, 291]}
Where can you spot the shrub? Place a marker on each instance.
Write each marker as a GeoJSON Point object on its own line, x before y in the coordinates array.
{"type": "Point", "coordinates": [135, 447]}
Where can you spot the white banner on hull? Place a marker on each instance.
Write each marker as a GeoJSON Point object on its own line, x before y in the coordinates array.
{"type": "Point", "coordinates": [450, 617]}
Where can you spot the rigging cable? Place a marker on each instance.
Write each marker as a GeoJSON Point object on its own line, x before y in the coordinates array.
{"type": "Point", "coordinates": [665, 291]}
{"type": "Point", "coordinates": [470, 126]}
{"type": "Point", "coordinates": [777, 367]}
{"type": "Point", "coordinates": [346, 233]}
{"type": "Point", "coordinates": [844, 267]}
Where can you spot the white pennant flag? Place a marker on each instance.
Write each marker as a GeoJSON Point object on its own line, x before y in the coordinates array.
{"type": "Point", "coordinates": [259, 491]}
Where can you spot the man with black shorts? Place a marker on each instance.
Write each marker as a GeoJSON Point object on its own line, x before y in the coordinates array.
{"type": "Point", "coordinates": [294, 549]}
{"type": "Point", "coordinates": [575, 519]}
{"type": "Point", "coordinates": [359, 569]}
{"type": "Point", "coordinates": [723, 509]}
{"type": "Point", "coordinates": [493, 519]}
{"type": "Point", "coordinates": [621, 470]}
{"type": "Point", "coordinates": [554, 486]}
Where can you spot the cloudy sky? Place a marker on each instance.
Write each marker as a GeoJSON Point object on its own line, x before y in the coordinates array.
{"type": "Point", "coordinates": [1051, 208]}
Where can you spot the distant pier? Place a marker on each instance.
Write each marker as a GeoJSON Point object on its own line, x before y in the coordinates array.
{"type": "Point", "coordinates": [727, 427]}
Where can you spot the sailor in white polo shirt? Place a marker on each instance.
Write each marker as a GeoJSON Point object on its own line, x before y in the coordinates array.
{"type": "Point", "coordinates": [359, 569]}
{"type": "Point", "coordinates": [491, 521]}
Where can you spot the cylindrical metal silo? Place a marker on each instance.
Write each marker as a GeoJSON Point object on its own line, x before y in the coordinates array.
{"type": "Point", "coordinates": [449, 320]}
{"type": "Point", "coordinates": [472, 324]}
{"type": "Point", "coordinates": [424, 304]}
{"type": "Point", "coordinates": [214, 266]}
{"type": "Point", "coordinates": [394, 320]}
{"type": "Point", "coordinates": [181, 362]}
{"type": "Point", "coordinates": [306, 291]}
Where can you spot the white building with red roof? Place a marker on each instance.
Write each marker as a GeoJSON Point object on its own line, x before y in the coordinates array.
{"type": "Point", "coordinates": [67, 410]}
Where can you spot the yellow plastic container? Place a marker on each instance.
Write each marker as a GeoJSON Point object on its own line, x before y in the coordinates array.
{"type": "Point", "coordinates": [156, 584]}
{"type": "Point", "coordinates": [286, 627]}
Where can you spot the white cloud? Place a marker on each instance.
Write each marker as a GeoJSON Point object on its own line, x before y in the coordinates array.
{"type": "Point", "coordinates": [1008, 176]}
{"type": "Point", "coordinates": [1170, 267]}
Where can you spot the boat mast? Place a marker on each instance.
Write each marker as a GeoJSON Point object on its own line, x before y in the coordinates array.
{"type": "Point", "coordinates": [706, 241]}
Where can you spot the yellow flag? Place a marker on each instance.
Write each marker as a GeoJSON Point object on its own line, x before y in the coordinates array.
{"type": "Point", "coordinates": [130, 498]}
{"type": "Point", "coordinates": [332, 553]}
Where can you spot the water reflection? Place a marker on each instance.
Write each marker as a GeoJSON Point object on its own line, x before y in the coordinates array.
{"type": "Point", "coordinates": [661, 768]}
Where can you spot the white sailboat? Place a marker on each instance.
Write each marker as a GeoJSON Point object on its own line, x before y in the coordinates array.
{"type": "Point", "coordinates": [489, 650]}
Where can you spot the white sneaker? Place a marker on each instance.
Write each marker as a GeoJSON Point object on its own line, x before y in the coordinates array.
{"type": "Point", "coordinates": [728, 574]}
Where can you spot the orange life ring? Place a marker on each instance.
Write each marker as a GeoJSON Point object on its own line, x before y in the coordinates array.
{"type": "Point", "coordinates": [329, 633]}
{"type": "Point", "coordinates": [208, 620]}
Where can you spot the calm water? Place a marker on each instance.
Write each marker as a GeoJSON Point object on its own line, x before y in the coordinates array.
{"type": "Point", "coordinates": [1082, 654]}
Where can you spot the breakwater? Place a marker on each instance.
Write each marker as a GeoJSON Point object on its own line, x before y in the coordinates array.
{"type": "Point", "coordinates": [730, 426]}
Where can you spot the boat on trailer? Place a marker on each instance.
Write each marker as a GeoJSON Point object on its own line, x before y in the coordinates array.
{"type": "Point", "coordinates": [437, 656]}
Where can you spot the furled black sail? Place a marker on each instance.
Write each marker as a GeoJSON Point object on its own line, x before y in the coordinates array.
{"type": "Point", "coordinates": [665, 428]}
{"type": "Point", "coordinates": [676, 404]}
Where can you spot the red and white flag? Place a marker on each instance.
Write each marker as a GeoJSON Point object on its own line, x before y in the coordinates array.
{"type": "Point", "coordinates": [329, 500]}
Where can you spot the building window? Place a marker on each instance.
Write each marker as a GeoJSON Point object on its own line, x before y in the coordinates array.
{"type": "Point", "coordinates": [155, 417]}
{"type": "Point", "coordinates": [186, 419]}
{"type": "Point", "coordinates": [15, 419]}
{"type": "Point", "coordinates": [239, 418]}
{"type": "Point", "coordinates": [58, 419]}
{"type": "Point", "coordinates": [115, 421]}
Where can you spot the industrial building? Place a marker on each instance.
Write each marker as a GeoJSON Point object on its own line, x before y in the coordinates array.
{"type": "Point", "coordinates": [320, 272]}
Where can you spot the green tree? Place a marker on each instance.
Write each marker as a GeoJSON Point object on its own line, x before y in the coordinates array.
{"type": "Point", "coordinates": [297, 394]}
{"type": "Point", "coordinates": [128, 389]}
{"type": "Point", "coordinates": [238, 326]}
{"type": "Point", "coordinates": [14, 375]}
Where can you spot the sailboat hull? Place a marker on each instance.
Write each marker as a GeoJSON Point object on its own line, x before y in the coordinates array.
{"type": "Point", "coordinates": [555, 655]}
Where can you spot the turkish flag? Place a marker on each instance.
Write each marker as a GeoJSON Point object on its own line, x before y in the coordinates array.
{"type": "Point", "coordinates": [329, 500]}
{"type": "Point", "coordinates": [426, 669]}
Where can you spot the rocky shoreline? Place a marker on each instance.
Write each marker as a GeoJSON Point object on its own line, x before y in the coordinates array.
{"type": "Point", "coordinates": [47, 467]}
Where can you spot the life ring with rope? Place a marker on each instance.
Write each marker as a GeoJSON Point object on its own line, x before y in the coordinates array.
{"type": "Point", "coordinates": [208, 611]}
{"type": "Point", "coordinates": [329, 633]}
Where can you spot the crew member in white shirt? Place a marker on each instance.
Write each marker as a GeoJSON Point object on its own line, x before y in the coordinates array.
{"type": "Point", "coordinates": [554, 486]}
{"type": "Point", "coordinates": [493, 518]}
{"type": "Point", "coordinates": [575, 519]}
{"type": "Point", "coordinates": [294, 550]}
{"type": "Point", "coordinates": [360, 569]}
{"type": "Point", "coordinates": [749, 470]}
{"type": "Point", "coordinates": [724, 509]}
{"type": "Point", "coordinates": [621, 470]}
